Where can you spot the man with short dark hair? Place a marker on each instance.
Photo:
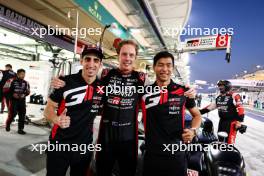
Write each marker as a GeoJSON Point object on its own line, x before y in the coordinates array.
{"type": "Point", "coordinates": [77, 104]}
{"type": "Point", "coordinates": [18, 91]}
{"type": "Point", "coordinates": [163, 117]}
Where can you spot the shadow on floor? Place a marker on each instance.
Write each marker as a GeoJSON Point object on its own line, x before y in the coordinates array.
{"type": "Point", "coordinates": [33, 161]}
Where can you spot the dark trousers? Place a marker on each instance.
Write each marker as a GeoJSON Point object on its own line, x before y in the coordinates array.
{"type": "Point", "coordinates": [58, 163]}
{"type": "Point", "coordinates": [17, 106]}
{"type": "Point", "coordinates": [124, 153]}
{"type": "Point", "coordinates": [5, 102]}
{"type": "Point", "coordinates": [165, 165]}
{"type": "Point", "coordinates": [228, 126]}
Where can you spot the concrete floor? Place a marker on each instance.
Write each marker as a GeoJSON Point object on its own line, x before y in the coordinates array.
{"type": "Point", "coordinates": [16, 157]}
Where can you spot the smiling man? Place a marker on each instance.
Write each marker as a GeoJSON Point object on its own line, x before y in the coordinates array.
{"type": "Point", "coordinates": [77, 104]}
{"type": "Point", "coordinates": [118, 128]}
{"type": "Point", "coordinates": [163, 117]}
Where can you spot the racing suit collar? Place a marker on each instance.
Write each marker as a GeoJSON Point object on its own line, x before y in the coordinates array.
{"type": "Point", "coordinates": [169, 86]}
{"type": "Point", "coordinates": [94, 83]}
{"type": "Point", "coordinates": [122, 73]}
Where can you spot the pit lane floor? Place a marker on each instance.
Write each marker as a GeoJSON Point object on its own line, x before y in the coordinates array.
{"type": "Point", "coordinates": [250, 144]}
{"type": "Point", "coordinates": [16, 157]}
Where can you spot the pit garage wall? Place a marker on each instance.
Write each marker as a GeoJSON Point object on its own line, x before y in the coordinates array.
{"type": "Point", "coordinates": [20, 23]}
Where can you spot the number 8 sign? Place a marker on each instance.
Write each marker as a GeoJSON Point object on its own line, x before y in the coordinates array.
{"type": "Point", "coordinates": [222, 41]}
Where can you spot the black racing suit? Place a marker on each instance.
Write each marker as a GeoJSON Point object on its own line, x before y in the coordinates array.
{"type": "Point", "coordinates": [83, 103]}
{"type": "Point", "coordinates": [5, 97]}
{"type": "Point", "coordinates": [163, 117]}
{"type": "Point", "coordinates": [18, 91]}
{"type": "Point", "coordinates": [230, 110]}
{"type": "Point", "coordinates": [118, 127]}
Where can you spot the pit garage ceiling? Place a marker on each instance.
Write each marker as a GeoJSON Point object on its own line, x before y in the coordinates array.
{"type": "Point", "coordinates": [152, 17]}
{"type": "Point", "coordinates": [164, 15]}
{"type": "Point", "coordinates": [170, 15]}
{"type": "Point", "coordinates": [55, 12]}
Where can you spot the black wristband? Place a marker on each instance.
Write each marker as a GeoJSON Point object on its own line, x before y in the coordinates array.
{"type": "Point", "coordinates": [203, 111]}
{"type": "Point", "coordinates": [241, 118]}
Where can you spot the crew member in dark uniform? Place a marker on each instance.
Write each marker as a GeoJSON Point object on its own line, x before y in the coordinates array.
{"type": "Point", "coordinates": [6, 76]}
{"type": "Point", "coordinates": [77, 104]}
{"type": "Point", "coordinates": [18, 91]}
{"type": "Point", "coordinates": [230, 110]}
{"type": "Point", "coordinates": [163, 116]}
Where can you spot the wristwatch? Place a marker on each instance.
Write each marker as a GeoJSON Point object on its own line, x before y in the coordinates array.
{"type": "Point", "coordinates": [195, 130]}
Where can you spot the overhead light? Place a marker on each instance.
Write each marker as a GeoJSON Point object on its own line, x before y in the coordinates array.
{"type": "Point", "coordinates": [69, 14]}
{"type": "Point", "coordinates": [134, 30]}
{"type": "Point", "coordinates": [150, 49]}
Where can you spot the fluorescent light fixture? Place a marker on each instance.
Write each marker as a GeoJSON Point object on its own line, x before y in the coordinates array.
{"type": "Point", "coordinates": [134, 30]}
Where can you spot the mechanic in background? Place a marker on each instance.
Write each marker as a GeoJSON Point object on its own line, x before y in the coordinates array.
{"type": "Point", "coordinates": [230, 110]}
{"type": "Point", "coordinates": [18, 91]}
{"type": "Point", "coordinates": [5, 76]}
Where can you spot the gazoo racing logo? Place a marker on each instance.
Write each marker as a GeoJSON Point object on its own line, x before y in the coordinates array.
{"type": "Point", "coordinates": [193, 43]}
{"type": "Point", "coordinates": [114, 100]}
